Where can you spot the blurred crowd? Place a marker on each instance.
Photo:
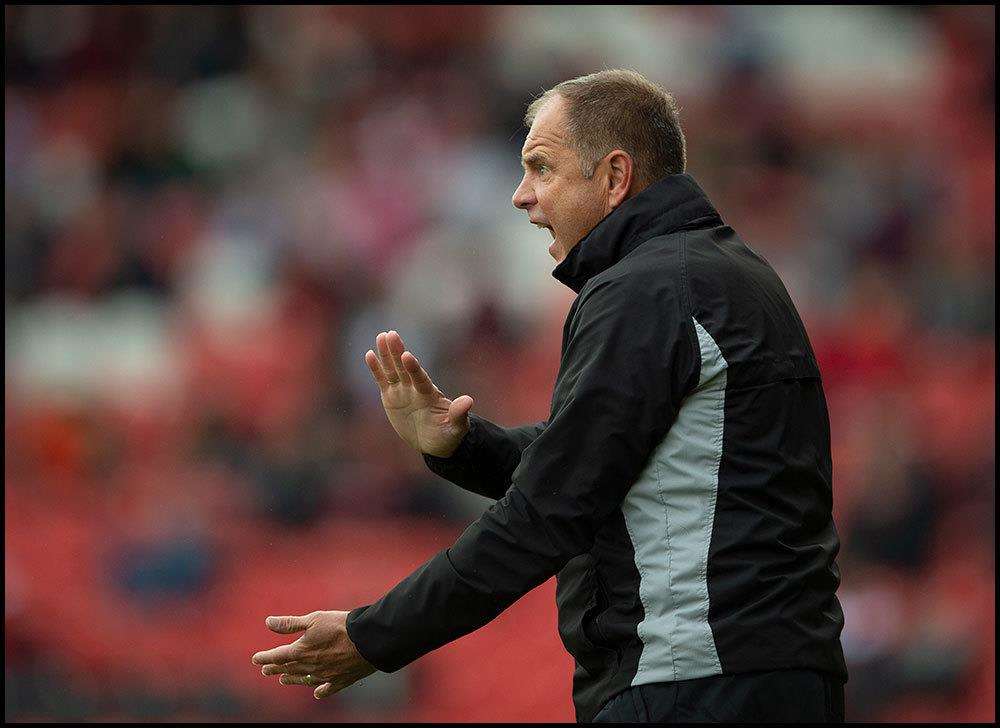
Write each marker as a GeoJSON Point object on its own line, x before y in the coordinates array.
{"type": "Point", "coordinates": [210, 212]}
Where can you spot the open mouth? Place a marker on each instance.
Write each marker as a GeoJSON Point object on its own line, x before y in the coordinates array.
{"type": "Point", "coordinates": [544, 227]}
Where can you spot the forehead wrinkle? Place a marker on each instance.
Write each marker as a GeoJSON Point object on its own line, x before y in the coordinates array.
{"type": "Point", "coordinates": [547, 144]}
{"type": "Point", "coordinates": [537, 137]}
{"type": "Point", "coordinates": [547, 135]}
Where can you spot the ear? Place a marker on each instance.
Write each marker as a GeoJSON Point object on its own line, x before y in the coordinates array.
{"type": "Point", "coordinates": [620, 176]}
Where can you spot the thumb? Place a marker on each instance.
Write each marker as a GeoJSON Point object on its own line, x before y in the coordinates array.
{"type": "Point", "coordinates": [459, 408]}
{"type": "Point", "coordinates": [287, 625]}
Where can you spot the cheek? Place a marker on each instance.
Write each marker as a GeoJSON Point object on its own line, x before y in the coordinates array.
{"type": "Point", "coordinates": [545, 201]}
{"type": "Point", "coordinates": [553, 201]}
{"type": "Point", "coordinates": [574, 211]}
{"type": "Point", "coordinates": [594, 212]}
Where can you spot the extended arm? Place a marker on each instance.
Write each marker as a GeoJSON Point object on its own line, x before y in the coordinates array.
{"type": "Point", "coordinates": [629, 360]}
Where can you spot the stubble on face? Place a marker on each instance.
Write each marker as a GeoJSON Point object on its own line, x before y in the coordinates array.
{"type": "Point", "coordinates": [554, 191]}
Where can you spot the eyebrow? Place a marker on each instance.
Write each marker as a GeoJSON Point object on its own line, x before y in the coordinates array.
{"type": "Point", "coordinates": [533, 159]}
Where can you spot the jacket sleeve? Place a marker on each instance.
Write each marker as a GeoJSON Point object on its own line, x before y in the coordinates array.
{"type": "Point", "coordinates": [487, 456]}
{"type": "Point", "coordinates": [630, 356]}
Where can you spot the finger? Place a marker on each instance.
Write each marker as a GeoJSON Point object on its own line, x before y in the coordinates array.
{"type": "Point", "coordinates": [396, 348]}
{"type": "Point", "coordinates": [385, 358]}
{"type": "Point", "coordinates": [277, 656]}
{"type": "Point", "coordinates": [376, 369]}
{"type": "Point", "coordinates": [325, 691]}
{"type": "Point", "coordinates": [307, 680]}
{"type": "Point", "coordinates": [288, 625]}
{"type": "Point", "coordinates": [290, 668]}
{"type": "Point", "coordinates": [421, 381]}
{"type": "Point", "coordinates": [459, 408]}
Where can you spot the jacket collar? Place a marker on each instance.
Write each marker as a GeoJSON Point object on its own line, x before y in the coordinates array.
{"type": "Point", "coordinates": [671, 204]}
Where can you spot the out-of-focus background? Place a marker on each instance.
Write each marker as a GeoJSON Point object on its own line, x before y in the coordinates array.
{"type": "Point", "coordinates": [210, 212]}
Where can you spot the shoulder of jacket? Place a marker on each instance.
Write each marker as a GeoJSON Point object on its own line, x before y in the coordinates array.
{"type": "Point", "coordinates": [653, 268]}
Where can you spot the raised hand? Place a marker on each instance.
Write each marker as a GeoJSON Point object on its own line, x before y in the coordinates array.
{"type": "Point", "coordinates": [427, 420]}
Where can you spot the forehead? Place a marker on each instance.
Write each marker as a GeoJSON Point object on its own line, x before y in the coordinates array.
{"type": "Point", "coordinates": [548, 130]}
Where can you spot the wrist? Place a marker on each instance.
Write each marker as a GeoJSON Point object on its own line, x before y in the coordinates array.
{"type": "Point", "coordinates": [461, 446]}
{"type": "Point", "coordinates": [458, 443]}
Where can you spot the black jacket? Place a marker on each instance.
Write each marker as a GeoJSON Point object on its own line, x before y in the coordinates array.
{"type": "Point", "coordinates": [680, 489]}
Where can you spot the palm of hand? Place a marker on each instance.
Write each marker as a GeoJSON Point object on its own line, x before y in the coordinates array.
{"type": "Point", "coordinates": [420, 419]}
{"type": "Point", "coordinates": [421, 415]}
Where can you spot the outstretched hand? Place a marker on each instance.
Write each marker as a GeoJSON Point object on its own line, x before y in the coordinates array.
{"type": "Point", "coordinates": [324, 657]}
{"type": "Point", "coordinates": [418, 411]}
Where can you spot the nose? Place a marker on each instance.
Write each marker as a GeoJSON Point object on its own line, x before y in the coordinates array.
{"type": "Point", "coordinates": [524, 196]}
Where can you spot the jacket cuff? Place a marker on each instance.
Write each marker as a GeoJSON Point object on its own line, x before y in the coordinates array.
{"type": "Point", "coordinates": [364, 650]}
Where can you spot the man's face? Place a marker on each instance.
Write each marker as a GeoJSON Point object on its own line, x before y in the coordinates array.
{"type": "Point", "coordinates": [553, 191]}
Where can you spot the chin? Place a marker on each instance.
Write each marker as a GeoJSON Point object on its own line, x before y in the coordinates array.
{"type": "Point", "coordinates": [557, 252]}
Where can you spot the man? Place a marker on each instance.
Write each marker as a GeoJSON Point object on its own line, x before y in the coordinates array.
{"type": "Point", "coordinates": [681, 487]}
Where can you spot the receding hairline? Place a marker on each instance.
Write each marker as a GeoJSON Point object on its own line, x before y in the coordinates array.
{"type": "Point", "coordinates": [655, 141]}
{"type": "Point", "coordinates": [536, 106]}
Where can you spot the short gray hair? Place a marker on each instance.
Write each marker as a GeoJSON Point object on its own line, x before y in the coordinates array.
{"type": "Point", "coordinates": [620, 109]}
